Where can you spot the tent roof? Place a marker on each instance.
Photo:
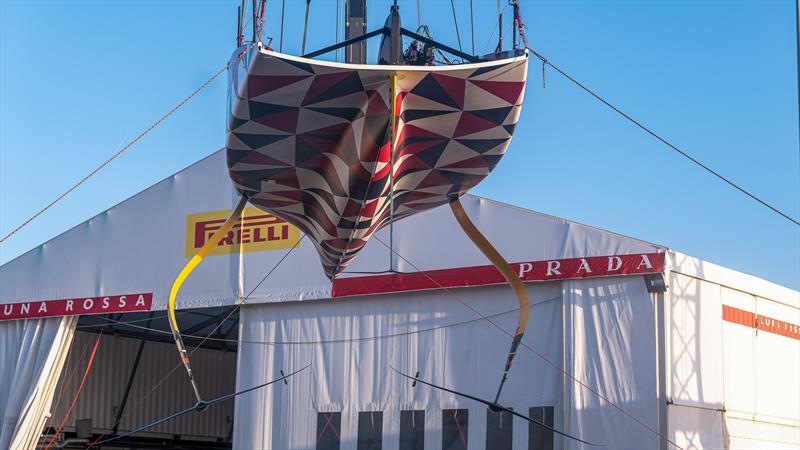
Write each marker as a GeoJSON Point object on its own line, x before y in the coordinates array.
{"type": "Point", "coordinates": [134, 250]}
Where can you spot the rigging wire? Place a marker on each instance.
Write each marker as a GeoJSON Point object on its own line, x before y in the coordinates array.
{"type": "Point", "coordinates": [202, 406]}
{"type": "Point", "coordinates": [495, 407]}
{"type": "Point", "coordinates": [77, 394]}
{"type": "Point", "coordinates": [494, 29]}
{"type": "Point", "coordinates": [305, 29]}
{"type": "Point", "coordinates": [112, 322]}
{"type": "Point", "coordinates": [208, 336]}
{"type": "Point", "coordinates": [336, 38]}
{"type": "Point", "coordinates": [283, 10]}
{"type": "Point", "coordinates": [529, 347]}
{"type": "Point", "coordinates": [72, 372]}
{"type": "Point", "coordinates": [708, 169]}
{"type": "Point", "coordinates": [472, 26]}
{"type": "Point", "coordinates": [261, 20]}
{"type": "Point", "coordinates": [119, 152]}
{"type": "Point", "coordinates": [455, 22]}
{"type": "Point", "coordinates": [109, 320]}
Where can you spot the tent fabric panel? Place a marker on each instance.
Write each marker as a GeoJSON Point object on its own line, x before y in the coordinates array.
{"type": "Point", "coordinates": [31, 360]}
{"type": "Point", "coordinates": [139, 245]}
{"type": "Point", "coordinates": [610, 345]}
{"type": "Point", "coordinates": [436, 336]}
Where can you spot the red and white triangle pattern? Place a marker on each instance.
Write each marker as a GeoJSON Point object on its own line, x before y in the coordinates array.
{"type": "Point", "coordinates": [309, 141]}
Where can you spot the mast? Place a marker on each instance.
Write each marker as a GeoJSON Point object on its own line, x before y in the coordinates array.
{"type": "Point", "coordinates": [499, 28]}
{"type": "Point", "coordinates": [355, 23]}
{"type": "Point", "coordinates": [515, 3]}
{"type": "Point", "coordinates": [395, 38]}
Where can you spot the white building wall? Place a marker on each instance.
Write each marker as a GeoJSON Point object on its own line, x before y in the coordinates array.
{"type": "Point", "coordinates": [733, 357]}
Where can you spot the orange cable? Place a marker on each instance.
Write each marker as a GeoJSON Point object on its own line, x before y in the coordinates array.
{"type": "Point", "coordinates": [77, 394]}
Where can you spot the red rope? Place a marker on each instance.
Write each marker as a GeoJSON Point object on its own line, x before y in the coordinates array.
{"type": "Point", "coordinates": [115, 155]}
{"type": "Point", "coordinates": [71, 374]}
{"type": "Point", "coordinates": [521, 28]}
{"type": "Point", "coordinates": [77, 394]}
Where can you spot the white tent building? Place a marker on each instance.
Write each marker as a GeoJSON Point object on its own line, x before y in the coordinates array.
{"type": "Point", "coordinates": [630, 345]}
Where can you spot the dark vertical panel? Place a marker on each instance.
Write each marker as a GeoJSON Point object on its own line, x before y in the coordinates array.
{"type": "Point", "coordinates": [328, 426]}
{"type": "Point", "coordinates": [355, 25]}
{"type": "Point", "coordinates": [499, 430]}
{"type": "Point", "coordinates": [540, 438]}
{"type": "Point", "coordinates": [370, 430]}
{"type": "Point", "coordinates": [454, 429]}
{"type": "Point", "coordinates": [412, 430]}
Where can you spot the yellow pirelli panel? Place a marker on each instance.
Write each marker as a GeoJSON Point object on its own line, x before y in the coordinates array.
{"type": "Point", "coordinates": [255, 231]}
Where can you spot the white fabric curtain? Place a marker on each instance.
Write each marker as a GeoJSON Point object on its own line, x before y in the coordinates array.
{"type": "Point", "coordinates": [429, 332]}
{"type": "Point", "coordinates": [610, 346]}
{"type": "Point", "coordinates": [32, 356]}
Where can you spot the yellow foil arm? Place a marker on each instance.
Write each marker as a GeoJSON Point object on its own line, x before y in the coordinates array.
{"type": "Point", "coordinates": [508, 273]}
{"type": "Point", "coordinates": [187, 269]}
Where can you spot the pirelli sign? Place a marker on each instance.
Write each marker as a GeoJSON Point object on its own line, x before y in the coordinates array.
{"type": "Point", "coordinates": [255, 231]}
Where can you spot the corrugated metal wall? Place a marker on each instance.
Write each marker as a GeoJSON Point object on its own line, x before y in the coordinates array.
{"type": "Point", "coordinates": [215, 372]}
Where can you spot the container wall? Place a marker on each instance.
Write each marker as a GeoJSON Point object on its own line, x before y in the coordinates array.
{"type": "Point", "coordinates": [733, 359]}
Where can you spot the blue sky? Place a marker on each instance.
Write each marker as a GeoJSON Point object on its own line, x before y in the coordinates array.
{"type": "Point", "coordinates": [80, 79]}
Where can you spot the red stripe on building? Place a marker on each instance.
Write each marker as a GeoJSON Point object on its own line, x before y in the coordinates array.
{"type": "Point", "coordinates": [556, 269]}
{"type": "Point", "coordinates": [762, 323]}
{"type": "Point", "coordinates": [76, 306]}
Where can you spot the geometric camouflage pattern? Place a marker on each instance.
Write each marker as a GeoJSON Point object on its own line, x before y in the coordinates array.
{"type": "Point", "coordinates": [309, 141]}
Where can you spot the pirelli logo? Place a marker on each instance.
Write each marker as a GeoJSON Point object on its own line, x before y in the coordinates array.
{"type": "Point", "coordinates": [255, 231]}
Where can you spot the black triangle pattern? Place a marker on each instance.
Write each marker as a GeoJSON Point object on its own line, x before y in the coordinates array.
{"type": "Point", "coordinates": [336, 188]}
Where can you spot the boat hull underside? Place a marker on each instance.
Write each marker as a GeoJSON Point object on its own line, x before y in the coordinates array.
{"type": "Point", "coordinates": [309, 141]}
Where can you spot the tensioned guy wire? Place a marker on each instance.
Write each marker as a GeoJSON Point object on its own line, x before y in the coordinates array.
{"type": "Point", "coordinates": [208, 336]}
{"type": "Point", "coordinates": [112, 322]}
{"type": "Point", "coordinates": [119, 152]}
{"type": "Point", "coordinates": [529, 347]}
{"type": "Point", "coordinates": [546, 61]}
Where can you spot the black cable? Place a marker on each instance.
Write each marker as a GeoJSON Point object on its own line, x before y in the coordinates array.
{"type": "Point", "coordinates": [472, 26]}
{"type": "Point", "coordinates": [495, 407]}
{"type": "Point", "coordinates": [112, 322]}
{"type": "Point", "coordinates": [455, 22]}
{"type": "Point", "coordinates": [663, 140]}
{"type": "Point", "coordinates": [305, 29]}
{"type": "Point", "coordinates": [200, 406]}
{"type": "Point", "coordinates": [797, 47]}
{"type": "Point", "coordinates": [530, 348]}
{"type": "Point", "coordinates": [208, 336]}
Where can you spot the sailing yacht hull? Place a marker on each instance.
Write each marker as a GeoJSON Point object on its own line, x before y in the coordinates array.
{"type": "Point", "coordinates": [312, 142]}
